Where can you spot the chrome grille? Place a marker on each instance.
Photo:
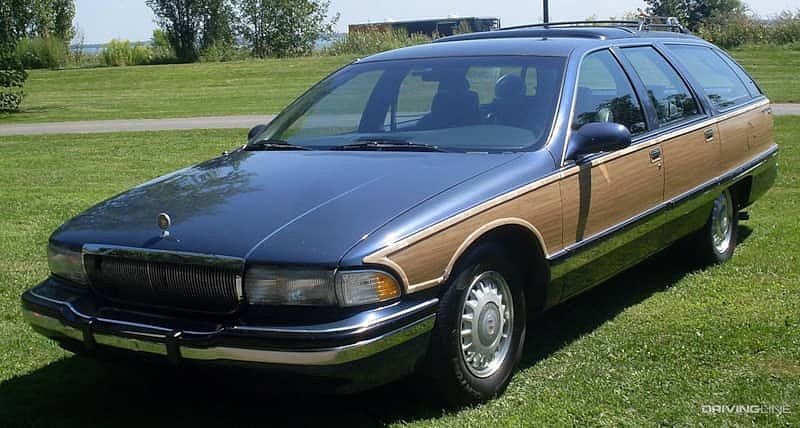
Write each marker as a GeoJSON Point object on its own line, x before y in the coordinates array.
{"type": "Point", "coordinates": [155, 283]}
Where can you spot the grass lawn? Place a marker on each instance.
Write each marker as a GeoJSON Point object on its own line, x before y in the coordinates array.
{"type": "Point", "coordinates": [166, 91]}
{"type": "Point", "coordinates": [254, 87]}
{"type": "Point", "coordinates": [775, 70]}
{"type": "Point", "coordinates": [649, 347]}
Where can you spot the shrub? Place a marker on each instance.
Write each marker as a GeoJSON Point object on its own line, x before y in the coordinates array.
{"type": "Point", "coordinates": [12, 79]}
{"type": "Point", "coordinates": [119, 53]}
{"type": "Point", "coordinates": [221, 52]}
{"type": "Point", "coordinates": [733, 31]}
{"type": "Point", "coordinates": [42, 52]}
{"type": "Point", "coordinates": [369, 43]}
{"type": "Point", "coordinates": [786, 28]}
{"type": "Point", "coordinates": [163, 53]}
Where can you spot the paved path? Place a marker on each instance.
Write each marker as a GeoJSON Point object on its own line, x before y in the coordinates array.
{"type": "Point", "coordinates": [786, 109]}
{"type": "Point", "coordinates": [218, 122]}
{"type": "Point", "coordinates": [98, 126]}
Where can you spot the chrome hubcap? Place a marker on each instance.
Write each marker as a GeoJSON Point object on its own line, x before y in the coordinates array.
{"type": "Point", "coordinates": [722, 223]}
{"type": "Point", "coordinates": [487, 320]}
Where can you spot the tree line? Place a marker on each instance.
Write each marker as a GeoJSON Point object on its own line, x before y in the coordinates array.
{"type": "Point", "coordinates": [729, 23]}
{"type": "Point", "coordinates": [38, 33]}
{"type": "Point", "coordinates": [276, 28]}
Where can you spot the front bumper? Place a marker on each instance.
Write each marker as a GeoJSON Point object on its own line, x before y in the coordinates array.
{"type": "Point", "coordinates": [393, 336]}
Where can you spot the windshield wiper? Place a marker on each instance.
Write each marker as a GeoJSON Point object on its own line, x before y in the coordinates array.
{"type": "Point", "coordinates": [389, 145]}
{"type": "Point", "coordinates": [274, 145]}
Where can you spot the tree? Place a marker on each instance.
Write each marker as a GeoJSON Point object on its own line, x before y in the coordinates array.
{"type": "Point", "coordinates": [284, 27]}
{"type": "Point", "coordinates": [12, 75]}
{"type": "Point", "coordinates": [182, 20]}
{"type": "Point", "coordinates": [38, 18]}
{"type": "Point", "coordinates": [63, 14]}
{"type": "Point", "coordinates": [693, 13]}
{"type": "Point", "coordinates": [219, 24]}
{"type": "Point", "coordinates": [192, 25]}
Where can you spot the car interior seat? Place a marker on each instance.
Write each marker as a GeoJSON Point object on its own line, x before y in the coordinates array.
{"type": "Point", "coordinates": [453, 105]}
{"type": "Point", "coordinates": [511, 106]}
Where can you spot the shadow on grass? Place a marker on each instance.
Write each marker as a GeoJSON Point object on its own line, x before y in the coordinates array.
{"type": "Point", "coordinates": [581, 315]}
{"type": "Point", "coordinates": [81, 392]}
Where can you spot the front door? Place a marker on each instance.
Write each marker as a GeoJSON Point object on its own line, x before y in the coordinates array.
{"type": "Point", "coordinates": [600, 195]}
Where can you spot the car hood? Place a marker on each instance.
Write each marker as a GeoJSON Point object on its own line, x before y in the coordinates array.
{"type": "Point", "coordinates": [281, 207]}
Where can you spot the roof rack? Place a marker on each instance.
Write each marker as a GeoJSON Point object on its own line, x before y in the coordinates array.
{"type": "Point", "coordinates": [662, 23]}
{"type": "Point", "coordinates": [645, 23]}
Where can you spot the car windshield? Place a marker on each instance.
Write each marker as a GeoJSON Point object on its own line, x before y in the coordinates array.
{"type": "Point", "coordinates": [461, 104]}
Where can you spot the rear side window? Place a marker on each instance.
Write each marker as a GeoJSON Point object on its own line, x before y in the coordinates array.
{"type": "Point", "coordinates": [719, 81]}
{"type": "Point", "coordinates": [755, 91]}
{"type": "Point", "coordinates": [670, 95]}
{"type": "Point", "coordinates": [605, 94]}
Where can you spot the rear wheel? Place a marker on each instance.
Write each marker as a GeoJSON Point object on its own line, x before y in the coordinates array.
{"type": "Point", "coordinates": [717, 240]}
{"type": "Point", "coordinates": [480, 330]}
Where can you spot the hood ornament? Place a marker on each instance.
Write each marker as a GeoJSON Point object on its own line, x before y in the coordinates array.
{"type": "Point", "coordinates": [164, 222]}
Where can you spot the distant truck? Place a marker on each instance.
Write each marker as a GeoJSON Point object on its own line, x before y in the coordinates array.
{"type": "Point", "coordinates": [432, 26]}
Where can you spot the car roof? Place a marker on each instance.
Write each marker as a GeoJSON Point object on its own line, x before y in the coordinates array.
{"type": "Point", "coordinates": [530, 41]}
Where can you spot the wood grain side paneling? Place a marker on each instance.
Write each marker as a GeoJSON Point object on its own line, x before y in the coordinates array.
{"type": "Point", "coordinates": [762, 123]}
{"type": "Point", "coordinates": [735, 135]}
{"type": "Point", "coordinates": [744, 136]}
{"type": "Point", "coordinates": [690, 160]}
{"type": "Point", "coordinates": [601, 196]}
{"type": "Point", "coordinates": [427, 261]}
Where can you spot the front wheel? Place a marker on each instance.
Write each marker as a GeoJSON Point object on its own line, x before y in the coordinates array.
{"type": "Point", "coordinates": [480, 330]}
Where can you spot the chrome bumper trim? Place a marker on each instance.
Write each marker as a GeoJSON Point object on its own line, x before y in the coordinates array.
{"type": "Point", "coordinates": [51, 324]}
{"type": "Point", "coordinates": [131, 344]}
{"type": "Point", "coordinates": [310, 357]}
{"type": "Point", "coordinates": [315, 357]}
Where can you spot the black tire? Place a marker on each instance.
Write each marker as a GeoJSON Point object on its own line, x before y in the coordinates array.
{"type": "Point", "coordinates": [446, 370]}
{"type": "Point", "coordinates": [709, 249]}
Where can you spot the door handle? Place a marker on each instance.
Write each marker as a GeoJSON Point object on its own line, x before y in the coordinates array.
{"type": "Point", "coordinates": [709, 134]}
{"type": "Point", "coordinates": [655, 154]}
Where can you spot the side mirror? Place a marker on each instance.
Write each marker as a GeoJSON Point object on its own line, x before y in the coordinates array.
{"type": "Point", "coordinates": [598, 137]}
{"type": "Point", "coordinates": [256, 131]}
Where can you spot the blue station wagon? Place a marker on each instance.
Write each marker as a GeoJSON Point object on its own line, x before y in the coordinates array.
{"type": "Point", "coordinates": [413, 211]}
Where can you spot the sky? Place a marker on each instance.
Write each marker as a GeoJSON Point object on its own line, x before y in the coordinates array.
{"type": "Point", "coordinates": [102, 20]}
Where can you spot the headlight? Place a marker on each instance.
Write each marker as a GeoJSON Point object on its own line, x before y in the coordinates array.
{"type": "Point", "coordinates": [67, 264]}
{"type": "Point", "coordinates": [301, 287]}
{"type": "Point", "coordinates": [264, 286]}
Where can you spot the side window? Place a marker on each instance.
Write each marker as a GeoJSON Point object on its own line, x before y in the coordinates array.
{"type": "Point", "coordinates": [670, 95]}
{"type": "Point", "coordinates": [719, 82]}
{"type": "Point", "coordinates": [605, 94]}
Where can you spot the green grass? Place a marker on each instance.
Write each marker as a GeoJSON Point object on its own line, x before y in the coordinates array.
{"type": "Point", "coordinates": [646, 348]}
{"type": "Point", "coordinates": [775, 70]}
{"type": "Point", "coordinates": [255, 87]}
{"type": "Point", "coordinates": [167, 91]}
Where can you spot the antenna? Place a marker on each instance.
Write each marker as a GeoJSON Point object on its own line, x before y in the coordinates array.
{"type": "Point", "coordinates": [546, 14]}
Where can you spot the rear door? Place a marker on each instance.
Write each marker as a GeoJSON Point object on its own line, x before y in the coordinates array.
{"type": "Point", "coordinates": [691, 153]}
